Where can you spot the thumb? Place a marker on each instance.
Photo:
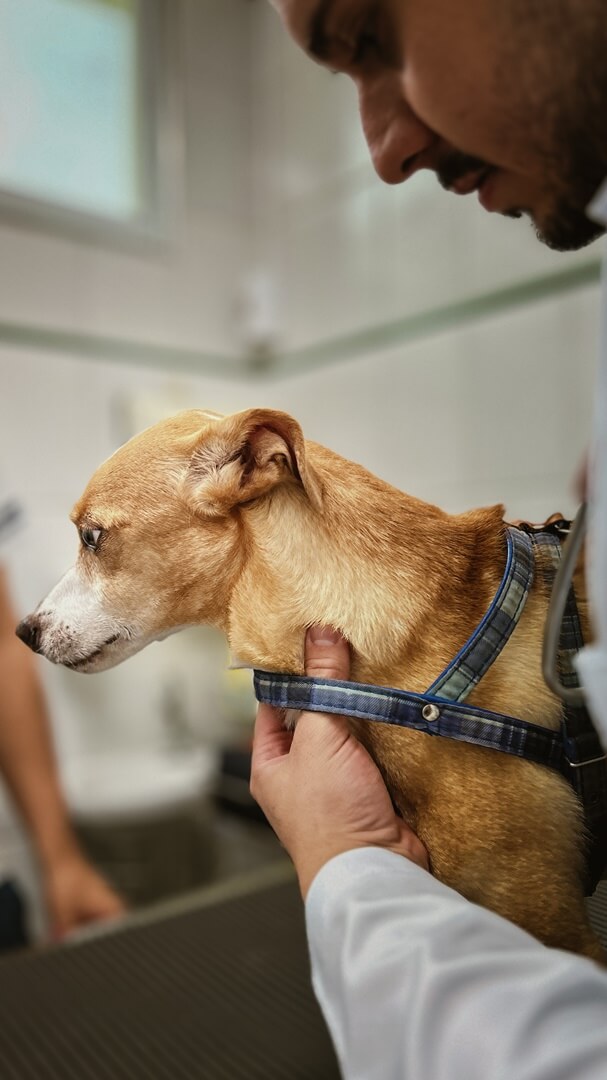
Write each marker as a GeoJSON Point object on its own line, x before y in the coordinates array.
{"type": "Point", "coordinates": [327, 656]}
{"type": "Point", "coordinates": [327, 653]}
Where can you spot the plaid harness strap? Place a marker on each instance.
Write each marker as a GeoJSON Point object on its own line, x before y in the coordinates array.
{"type": "Point", "coordinates": [487, 641]}
{"type": "Point", "coordinates": [574, 751]}
{"type": "Point", "coordinates": [419, 712]}
{"type": "Point", "coordinates": [440, 710]}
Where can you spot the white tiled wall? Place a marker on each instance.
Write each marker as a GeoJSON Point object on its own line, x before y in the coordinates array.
{"type": "Point", "coordinates": [498, 411]}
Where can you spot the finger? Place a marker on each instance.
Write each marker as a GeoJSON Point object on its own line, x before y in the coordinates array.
{"type": "Point", "coordinates": [320, 733]}
{"type": "Point", "coordinates": [270, 739]}
{"type": "Point", "coordinates": [327, 653]}
{"type": "Point", "coordinates": [327, 656]}
{"type": "Point", "coordinates": [108, 905]}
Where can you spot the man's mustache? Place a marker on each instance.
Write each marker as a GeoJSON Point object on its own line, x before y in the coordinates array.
{"type": "Point", "coordinates": [455, 166]}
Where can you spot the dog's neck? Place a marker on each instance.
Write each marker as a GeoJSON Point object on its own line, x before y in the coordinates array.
{"type": "Point", "coordinates": [374, 563]}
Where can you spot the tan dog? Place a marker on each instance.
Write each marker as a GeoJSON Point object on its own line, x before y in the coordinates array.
{"type": "Point", "coordinates": [239, 523]}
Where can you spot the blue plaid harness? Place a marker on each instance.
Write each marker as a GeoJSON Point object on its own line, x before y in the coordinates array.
{"type": "Point", "coordinates": [574, 751]}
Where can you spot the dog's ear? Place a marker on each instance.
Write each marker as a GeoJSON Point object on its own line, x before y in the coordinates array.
{"type": "Point", "coordinates": [245, 456]}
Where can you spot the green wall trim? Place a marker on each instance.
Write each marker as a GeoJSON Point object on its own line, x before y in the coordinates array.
{"type": "Point", "coordinates": [121, 350]}
{"type": "Point", "coordinates": [440, 319]}
{"type": "Point", "coordinates": [359, 343]}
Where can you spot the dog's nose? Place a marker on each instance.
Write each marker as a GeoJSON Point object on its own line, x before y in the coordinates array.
{"type": "Point", "coordinates": [29, 632]}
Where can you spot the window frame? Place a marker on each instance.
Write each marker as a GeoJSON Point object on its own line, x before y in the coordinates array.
{"type": "Point", "coordinates": [156, 151]}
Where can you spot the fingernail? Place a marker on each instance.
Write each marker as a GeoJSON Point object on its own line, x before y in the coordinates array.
{"type": "Point", "coordinates": [324, 635]}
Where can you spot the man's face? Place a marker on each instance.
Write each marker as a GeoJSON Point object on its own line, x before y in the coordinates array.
{"type": "Point", "coordinates": [504, 98]}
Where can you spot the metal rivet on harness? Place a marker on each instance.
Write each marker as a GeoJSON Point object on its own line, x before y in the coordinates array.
{"type": "Point", "coordinates": [430, 712]}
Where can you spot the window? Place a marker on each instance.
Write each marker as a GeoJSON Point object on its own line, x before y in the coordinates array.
{"type": "Point", "coordinates": [76, 129]}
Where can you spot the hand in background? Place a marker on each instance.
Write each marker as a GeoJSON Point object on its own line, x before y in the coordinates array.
{"type": "Point", "coordinates": [76, 894]}
{"type": "Point", "coordinates": [318, 786]}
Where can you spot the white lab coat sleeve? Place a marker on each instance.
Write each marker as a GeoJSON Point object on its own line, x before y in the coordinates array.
{"type": "Point", "coordinates": [416, 983]}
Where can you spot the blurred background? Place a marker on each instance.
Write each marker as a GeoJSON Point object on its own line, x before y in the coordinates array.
{"type": "Point", "coordinates": [188, 218]}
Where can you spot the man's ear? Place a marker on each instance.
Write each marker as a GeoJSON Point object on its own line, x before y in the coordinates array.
{"type": "Point", "coordinates": [243, 457]}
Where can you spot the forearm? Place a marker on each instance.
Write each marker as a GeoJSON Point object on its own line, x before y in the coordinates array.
{"type": "Point", "coordinates": [27, 760]}
{"type": "Point", "coordinates": [415, 981]}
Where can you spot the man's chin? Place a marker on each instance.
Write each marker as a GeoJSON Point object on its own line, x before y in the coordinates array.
{"type": "Point", "coordinates": [567, 230]}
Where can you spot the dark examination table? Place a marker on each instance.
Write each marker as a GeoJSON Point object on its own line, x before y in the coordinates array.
{"type": "Point", "coordinates": [214, 986]}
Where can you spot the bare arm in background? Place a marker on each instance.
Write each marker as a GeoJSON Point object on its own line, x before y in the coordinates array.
{"type": "Point", "coordinates": [75, 892]}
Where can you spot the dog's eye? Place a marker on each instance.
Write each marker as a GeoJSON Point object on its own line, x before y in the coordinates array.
{"type": "Point", "coordinates": [90, 538]}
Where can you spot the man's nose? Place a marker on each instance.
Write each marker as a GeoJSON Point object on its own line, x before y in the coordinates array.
{"type": "Point", "coordinates": [395, 136]}
{"type": "Point", "coordinates": [30, 632]}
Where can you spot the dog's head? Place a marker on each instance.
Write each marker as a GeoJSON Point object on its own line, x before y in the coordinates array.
{"type": "Point", "coordinates": [161, 534]}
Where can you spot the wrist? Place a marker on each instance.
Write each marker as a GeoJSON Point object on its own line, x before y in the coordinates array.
{"type": "Point", "coordinates": [308, 867]}
{"type": "Point", "coordinates": [56, 846]}
{"type": "Point", "coordinates": [309, 862]}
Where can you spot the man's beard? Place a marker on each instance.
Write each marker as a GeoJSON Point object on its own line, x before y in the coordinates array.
{"type": "Point", "coordinates": [581, 168]}
{"type": "Point", "coordinates": [566, 227]}
{"type": "Point", "coordinates": [560, 105]}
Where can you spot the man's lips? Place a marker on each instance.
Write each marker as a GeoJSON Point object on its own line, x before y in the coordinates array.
{"type": "Point", "coordinates": [462, 174]}
{"type": "Point", "coordinates": [471, 181]}
{"type": "Point", "coordinates": [486, 182]}
{"type": "Point", "coordinates": [489, 193]}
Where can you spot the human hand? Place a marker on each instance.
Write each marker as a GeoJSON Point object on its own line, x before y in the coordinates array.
{"type": "Point", "coordinates": [76, 894]}
{"type": "Point", "coordinates": [319, 788]}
